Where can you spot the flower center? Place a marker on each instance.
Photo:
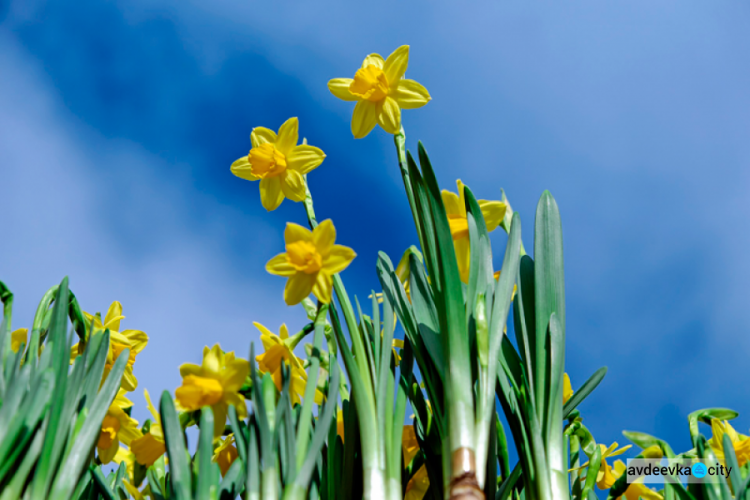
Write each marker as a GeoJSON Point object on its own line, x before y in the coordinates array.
{"type": "Point", "coordinates": [370, 83]}
{"type": "Point", "coordinates": [266, 161]}
{"type": "Point", "coordinates": [197, 392]}
{"type": "Point", "coordinates": [110, 428]}
{"type": "Point", "coordinates": [459, 227]}
{"type": "Point", "coordinates": [304, 257]}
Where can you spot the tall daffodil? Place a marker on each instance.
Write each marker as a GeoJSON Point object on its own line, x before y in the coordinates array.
{"type": "Point", "coordinates": [740, 442]}
{"type": "Point", "coordinates": [150, 446]}
{"type": "Point", "coordinates": [636, 490]}
{"type": "Point", "coordinates": [455, 207]}
{"type": "Point", "coordinates": [381, 92]}
{"type": "Point", "coordinates": [135, 340]}
{"type": "Point", "coordinates": [214, 383]}
{"type": "Point", "coordinates": [225, 453]}
{"type": "Point", "coordinates": [279, 163]}
{"type": "Point", "coordinates": [117, 427]}
{"type": "Point", "coordinates": [310, 261]}
{"type": "Point", "coordinates": [419, 482]}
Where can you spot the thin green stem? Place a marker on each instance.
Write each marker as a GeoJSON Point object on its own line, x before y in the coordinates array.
{"type": "Point", "coordinates": [400, 140]}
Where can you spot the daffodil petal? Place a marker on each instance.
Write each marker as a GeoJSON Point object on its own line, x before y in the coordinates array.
{"type": "Point", "coordinates": [280, 266]}
{"type": "Point", "coordinates": [338, 259]}
{"type": "Point", "coordinates": [271, 195]}
{"type": "Point", "coordinates": [395, 66]}
{"type": "Point", "coordinates": [263, 330]}
{"type": "Point", "coordinates": [242, 169]}
{"type": "Point", "coordinates": [220, 418]}
{"type": "Point", "coordinates": [410, 94]}
{"type": "Point", "coordinates": [234, 375]}
{"type": "Point", "coordinates": [113, 317]}
{"type": "Point", "coordinates": [262, 135]}
{"type": "Point", "coordinates": [364, 119]}
{"type": "Point", "coordinates": [339, 87]}
{"type": "Point", "coordinates": [463, 256]}
{"type": "Point", "coordinates": [374, 60]}
{"type": "Point", "coordinates": [298, 287]}
{"type": "Point", "coordinates": [107, 454]}
{"type": "Point", "coordinates": [323, 287]}
{"type": "Point", "coordinates": [451, 202]}
{"type": "Point", "coordinates": [493, 213]}
{"type": "Point", "coordinates": [238, 402]}
{"type": "Point", "coordinates": [295, 232]}
{"type": "Point", "coordinates": [293, 185]}
{"type": "Point", "coordinates": [304, 158]}
{"type": "Point", "coordinates": [288, 136]}
{"type": "Point", "coordinates": [390, 116]}
{"type": "Point", "coordinates": [324, 236]}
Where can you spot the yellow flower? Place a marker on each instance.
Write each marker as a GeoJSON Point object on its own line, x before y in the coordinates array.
{"type": "Point", "coordinates": [637, 490]}
{"type": "Point", "coordinates": [381, 92]}
{"type": "Point", "coordinates": [740, 442]}
{"type": "Point", "coordinates": [455, 207]}
{"type": "Point", "coordinates": [567, 388]}
{"type": "Point", "coordinates": [310, 261]}
{"type": "Point", "coordinates": [18, 338]}
{"type": "Point", "coordinates": [340, 424]}
{"type": "Point", "coordinates": [605, 478]}
{"type": "Point", "coordinates": [420, 482]}
{"type": "Point", "coordinates": [278, 347]}
{"type": "Point", "coordinates": [279, 162]}
{"type": "Point", "coordinates": [225, 454]}
{"type": "Point", "coordinates": [117, 427]}
{"type": "Point", "coordinates": [150, 446]}
{"type": "Point", "coordinates": [135, 340]}
{"type": "Point", "coordinates": [215, 383]}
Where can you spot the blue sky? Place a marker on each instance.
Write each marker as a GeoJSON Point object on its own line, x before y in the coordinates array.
{"type": "Point", "coordinates": [119, 120]}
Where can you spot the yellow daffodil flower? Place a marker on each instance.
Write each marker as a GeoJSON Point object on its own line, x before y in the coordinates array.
{"type": "Point", "coordinates": [135, 340]}
{"type": "Point", "coordinates": [605, 478]}
{"type": "Point", "coordinates": [18, 338]}
{"type": "Point", "coordinates": [278, 347]}
{"type": "Point", "coordinates": [279, 163]}
{"type": "Point", "coordinates": [636, 490]}
{"type": "Point", "coordinates": [567, 388]}
{"type": "Point", "coordinates": [420, 482]}
{"type": "Point", "coordinates": [150, 446]}
{"type": "Point", "coordinates": [310, 261]}
{"type": "Point", "coordinates": [740, 442]}
{"type": "Point", "coordinates": [381, 92]}
{"type": "Point", "coordinates": [225, 454]}
{"type": "Point", "coordinates": [215, 383]}
{"type": "Point", "coordinates": [455, 207]}
{"type": "Point", "coordinates": [117, 427]}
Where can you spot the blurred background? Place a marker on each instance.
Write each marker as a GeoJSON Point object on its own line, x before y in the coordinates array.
{"type": "Point", "coordinates": [119, 120]}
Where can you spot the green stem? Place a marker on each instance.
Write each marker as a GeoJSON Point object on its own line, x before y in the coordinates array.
{"type": "Point", "coordinates": [400, 140]}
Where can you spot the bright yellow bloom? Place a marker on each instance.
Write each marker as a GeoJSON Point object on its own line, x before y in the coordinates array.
{"type": "Point", "coordinates": [215, 383]}
{"type": "Point", "coordinates": [278, 347]}
{"type": "Point", "coordinates": [279, 163]}
{"type": "Point", "coordinates": [135, 340]}
{"type": "Point", "coordinates": [455, 207]}
{"type": "Point", "coordinates": [420, 482]}
{"type": "Point", "coordinates": [117, 427]}
{"type": "Point", "coordinates": [740, 442]}
{"type": "Point", "coordinates": [310, 261]}
{"type": "Point", "coordinates": [567, 388]}
{"type": "Point", "coordinates": [225, 454]}
{"type": "Point", "coordinates": [605, 478]}
{"type": "Point", "coordinates": [18, 338]}
{"type": "Point", "coordinates": [150, 446]}
{"type": "Point", "coordinates": [637, 490]}
{"type": "Point", "coordinates": [381, 92]}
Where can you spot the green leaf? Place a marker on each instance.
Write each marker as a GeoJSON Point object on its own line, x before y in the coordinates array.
{"type": "Point", "coordinates": [205, 452]}
{"type": "Point", "coordinates": [583, 392]}
{"type": "Point", "coordinates": [643, 440]}
{"type": "Point", "coordinates": [175, 441]}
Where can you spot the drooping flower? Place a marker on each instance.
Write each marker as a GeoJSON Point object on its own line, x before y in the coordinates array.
{"type": "Point", "coordinates": [310, 261]}
{"type": "Point", "coordinates": [455, 207]}
{"type": "Point", "coordinates": [636, 490]}
{"type": "Point", "coordinates": [278, 348]}
{"type": "Point", "coordinates": [117, 427]}
{"type": "Point", "coordinates": [740, 442]}
{"type": "Point", "coordinates": [381, 92]}
{"type": "Point", "coordinates": [135, 340]}
{"type": "Point", "coordinates": [567, 388]}
{"type": "Point", "coordinates": [279, 163]}
{"type": "Point", "coordinates": [150, 446]}
{"type": "Point", "coordinates": [18, 338]}
{"type": "Point", "coordinates": [225, 454]}
{"type": "Point", "coordinates": [214, 383]}
{"type": "Point", "coordinates": [419, 483]}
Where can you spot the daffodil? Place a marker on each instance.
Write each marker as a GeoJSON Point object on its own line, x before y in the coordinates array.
{"type": "Point", "coordinates": [381, 92]}
{"type": "Point", "coordinates": [117, 427]}
{"type": "Point", "coordinates": [567, 388]}
{"type": "Point", "coordinates": [340, 424]}
{"type": "Point", "coordinates": [225, 454]}
{"type": "Point", "coordinates": [135, 340]}
{"type": "Point", "coordinates": [310, 261]}
{"type": "Point", "coordinates": [455, 207]}
{"type": "Point", "coordinates": [636, 490]}
{"type": "Point", "coordinates": [605, 478]}
{"type": "Point", "coordinates": [278, 348]}
{"type": "Point", "coordinates": [150, 446]}
{"type": "Point", "coordinates": [419, 482]}
{"type": "Point", "coordinates": [214, 383]}
{"type": "Point", "coordinates": [741, 443]}
{"type": "Point", "coordinates": [279, 163]}
{"type": "Point", "coordinates": [18, 338]}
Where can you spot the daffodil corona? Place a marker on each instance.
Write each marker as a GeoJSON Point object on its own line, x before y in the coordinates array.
{"type": "Point", "coordinates": [381, 92]}
{"type": "Point", "coordinates": [279, 163]}
{"type": "Point", "coordinates": [310, 261]}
